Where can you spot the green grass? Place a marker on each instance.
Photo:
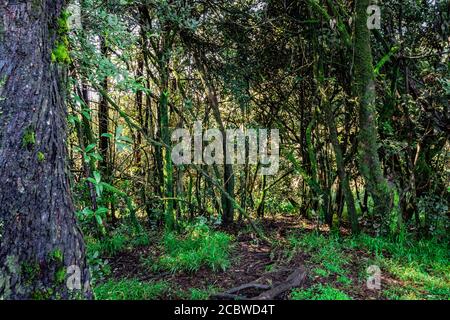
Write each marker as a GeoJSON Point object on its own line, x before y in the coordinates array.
{"type": "Point", "coordinates": [130, 290]}
{"type": "Point", "coordinates": [123, 238]}
{"type": "Point", "coordinates": [325, 251]}
{"type": "Point", "coordinates": [421, 268]}
{"type": "Point", "coordinates": [198, 293]}
{"type": "Point", "coordinates": [198, 246]}
{"type": "Point", "coordinates": [108, 246]}
{"type": "Point", "coordinates": [319, 292]}
{"type": "Point", "coordinates": [98, 250]}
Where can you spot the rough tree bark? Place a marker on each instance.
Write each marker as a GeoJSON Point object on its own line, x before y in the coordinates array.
{"type": "Point", "coordinates": [41, 246]}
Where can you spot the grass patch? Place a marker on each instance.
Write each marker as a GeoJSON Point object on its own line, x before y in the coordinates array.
{"type": "Point", "coordinates": [123, 238]}
{"type": "Point", "coordinates": [197, 293]}
{"type": "Point", "coordinates": [319, 292]}
{"type": "Point", "coordinates": [196, 247]}
{"type": "Point", "coordinates": [130, 290]}
{"type": "Point", "coordinates": [422, 266]}
{"type": "Point", "coordinates": [325, 251]}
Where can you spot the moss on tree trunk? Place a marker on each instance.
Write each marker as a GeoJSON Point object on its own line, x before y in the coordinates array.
{"type": "Point", "coordinates": [364, 86]}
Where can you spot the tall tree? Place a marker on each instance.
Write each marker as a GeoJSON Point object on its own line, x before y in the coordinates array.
{"type": "Point", "coordinates": [364, 86]}
{"type": "Point", "coordinates": [40, 242]}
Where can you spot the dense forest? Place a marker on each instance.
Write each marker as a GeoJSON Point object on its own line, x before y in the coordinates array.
{"type": "Point", "coordinates": [224, 149]}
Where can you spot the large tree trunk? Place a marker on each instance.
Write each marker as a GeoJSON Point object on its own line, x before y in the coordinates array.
{"type": "Point", "coordinates": [41, 247]}
{"type": "Point", "coordinates": [364, 87]}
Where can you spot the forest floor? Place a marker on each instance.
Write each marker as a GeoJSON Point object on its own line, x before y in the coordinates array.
{"type": "Point", "coordinates": [336, 266]}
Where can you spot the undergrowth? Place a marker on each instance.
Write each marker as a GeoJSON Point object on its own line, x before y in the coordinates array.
{"type": "Point", "coordinates": [197, 246]}
{"type": "Point", "coordinates": [319, 292]}
{"type": "Point", "coordinates": [130, 290]}
{"type": "Point", "coordinates": [421, 267]}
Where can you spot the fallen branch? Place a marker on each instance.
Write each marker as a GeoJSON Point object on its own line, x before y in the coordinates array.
{"type": "Point", "coordinates": [295, 279]}
{"type": "Point", "coordinates": [250, 285]}
{"type": "Point", "coordinates": [231, 293]}
{"type": "Point", "coordinates": [227, 296]}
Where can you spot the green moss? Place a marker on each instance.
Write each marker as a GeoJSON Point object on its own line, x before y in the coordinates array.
{"type": "Point", "coordinates": [40, 156]}
{"type": "Point", "coordinates": [60, 275]}
{"type": "Point", "coordinates": [57, 256]}
{"type": "Point", "coordinates": [63, 23]}
{"type": "Point", "coordinates": [30, 271]}
{"type": "Point", "coordinates": [29, 138]}
{"type": "Point", "coordinates": [44, 294]}
{"type": "Point", "coordinates": [4, 78]}
{"type": "Point", "coordinates": [60, 53]}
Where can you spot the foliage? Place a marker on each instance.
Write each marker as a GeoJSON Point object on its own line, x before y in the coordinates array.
{"type": "Point", "coordinates": [319, 292]}
{"type": "Point", "coordinates": [130, 290]}
{"type": "Point", "coordinates": [123, 238]}
{"type": "Point", "coordinates": [422, 265]}
{"type": "Point", "coordinates": [135, 70]}
{"type": "Point", "coordinates": [433, 212]}
{"type": "Point", "coordinates": [99, 268]}
{"type": "Point", "coordinates": [326, 252]}
{"type": "Point", "coordinates": [198, 294]}
{"type": "Point", "coordinates": [196, 247]}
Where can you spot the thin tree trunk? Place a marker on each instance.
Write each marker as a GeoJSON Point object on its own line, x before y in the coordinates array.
{"type": "Point", "coordinates": [345, 186]}
{"type": "Point", "coordinates": [103, 119]}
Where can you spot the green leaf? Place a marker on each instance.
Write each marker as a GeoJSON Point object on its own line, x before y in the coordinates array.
{"type": "Point", "coordinates": [99, 220]}
{"type": "Point", "coordinates": [126, 139]}
{"type": "Point", "coordinates": [73, 119]}
{"type": "Point", "coordinates": [86, 114]}
{"type": "Point", "coordinates": [90, 147]}
{"type": "Point", "coordinates": [101, 211]}
{"type": "Point", "coordinates": [96, 156]}
{"type": "Point", "coordinates": [107, 135]}
{"type": "Point", "coordinates": [97, 177]}
{"type": "Point", "coordinates": [385, 59]}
